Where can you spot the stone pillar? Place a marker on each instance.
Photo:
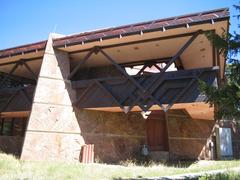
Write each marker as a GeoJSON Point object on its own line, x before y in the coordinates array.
{"type": "Point", "coordinates": [53, 132]}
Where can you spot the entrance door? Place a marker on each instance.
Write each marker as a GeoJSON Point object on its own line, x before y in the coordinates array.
{"type": "Point", "coordinates": [157, 136]}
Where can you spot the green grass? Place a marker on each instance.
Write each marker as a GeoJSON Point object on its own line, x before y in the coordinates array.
{"type": "Point", "coordinates": [222, 176]}
{"type": "Point", "coordinates": [12, 168]}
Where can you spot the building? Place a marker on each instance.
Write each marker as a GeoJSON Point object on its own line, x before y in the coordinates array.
{"type": "Point", "coordinates": [116, 88]}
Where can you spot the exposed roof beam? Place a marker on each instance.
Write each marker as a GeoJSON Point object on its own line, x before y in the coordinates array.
{"type": "Point", "coordinates": [19, 78]}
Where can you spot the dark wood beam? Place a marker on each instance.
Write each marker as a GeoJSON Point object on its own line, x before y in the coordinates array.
{"type": "Point", "coordinates": [2, 124]}
{"type": "Point", "coordinates": [83, 61]}
{"type": "Point", "coordinates": [19, 78]}
{"type": "Point", "coordinates": [213, 56]}
{"type": "Point", "coordinates": [8, 101]}
{"type": "Point", "coordinates": [142, 69]}
{"type": "Point", "coordinates": [12, 126]}
{"type": "Point", "coordinates": [141, 62]}
{"type": "Point", "coordinates": [156, 66]}
{"type": "Point", "coordinates": [179, 95]}
{"type": "Point", "coordinates": [30, 70]}
{"type": "Point", "coordinates": [178, 64]}
{"type": "Point", "coordinates": [155, 84]}
{"type": "Point", "coordinates": [10, 73]}
{"type": "Point", "coordinates": [26, 96]}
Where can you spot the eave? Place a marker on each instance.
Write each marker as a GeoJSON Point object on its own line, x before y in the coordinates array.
{"type": "Point", "coordinates": [144, 27]}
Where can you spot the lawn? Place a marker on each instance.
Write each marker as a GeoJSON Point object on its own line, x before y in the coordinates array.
{"type": "Point", "coordinates": [12, 168]}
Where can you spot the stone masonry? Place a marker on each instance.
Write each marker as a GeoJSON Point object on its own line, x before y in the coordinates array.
{"type": "Point", "coordinates": [57, 130]}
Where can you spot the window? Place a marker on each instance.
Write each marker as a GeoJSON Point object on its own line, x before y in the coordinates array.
{"type": "Point", "coordinates": [13, 126]}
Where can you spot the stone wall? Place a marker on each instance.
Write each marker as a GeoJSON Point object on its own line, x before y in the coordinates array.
{"type": "Point", "coordinates": [188, 138]}
{"type": "Point", "coordinates": [116, 136]}
{"type": "Point", "coordinates": [56, 130]}
{"type": "Point", "coordinates": [53, 132]}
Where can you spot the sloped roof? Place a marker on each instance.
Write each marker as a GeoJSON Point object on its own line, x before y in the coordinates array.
{"type": "Point", "coordinates": [149, 26]}
{"type": "Point", "coordinates": [28, 48]}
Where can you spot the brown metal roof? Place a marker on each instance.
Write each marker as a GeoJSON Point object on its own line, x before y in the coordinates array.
{"type": "Point", "coordinates": [28, 48]}
{"type": "Point", "coordinates": [150, 26]}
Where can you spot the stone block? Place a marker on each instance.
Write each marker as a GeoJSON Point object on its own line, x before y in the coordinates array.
{"type": "Point", "coordinates": [54, 91]}
{"type": "Point", "coordinates": [55, 65]}
{"type": "Point", "coordinates": [53, 118]}
{"type": "Point", "coordinates": [185, 127]}
{"type": "Point", "coordinates": [187, 149]}
{"type": "Point", "coordinates": [131, 124]}
{"type": "Point", "coordinates": [52, 146]}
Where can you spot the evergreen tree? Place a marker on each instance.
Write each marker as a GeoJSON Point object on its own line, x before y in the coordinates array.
{"type": "Point", "coordinates": [227, 97]}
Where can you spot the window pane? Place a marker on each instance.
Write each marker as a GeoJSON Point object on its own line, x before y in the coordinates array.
{"type": "Point", "coordinates": [7, 125]}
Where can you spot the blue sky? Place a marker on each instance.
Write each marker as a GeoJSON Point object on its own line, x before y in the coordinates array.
{"type": "Point", "coordinates": [27, 21]}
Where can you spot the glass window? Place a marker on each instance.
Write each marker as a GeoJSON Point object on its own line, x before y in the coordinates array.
{"type": "Point", "coordinates": [13, 126]}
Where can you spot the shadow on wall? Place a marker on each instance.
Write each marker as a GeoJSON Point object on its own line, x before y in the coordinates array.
{"type": "Point", "coordinates": [116, 136]}
{"type": "Point", "coordinates": [196, 139]}
{"type": "Point", "coordinates": [189, 138]}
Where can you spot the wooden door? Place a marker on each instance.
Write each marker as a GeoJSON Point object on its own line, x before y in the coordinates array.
{"type": "Point", "coordinates": [157, 136]}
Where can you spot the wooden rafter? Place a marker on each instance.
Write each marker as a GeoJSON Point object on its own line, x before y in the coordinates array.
{"type": "Point", "coordinates": [19, 79]}
{"type": "Point", "coordinates": [144, 94]}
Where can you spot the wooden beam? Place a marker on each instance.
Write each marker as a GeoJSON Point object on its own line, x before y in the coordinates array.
{"type": "Point", "coordinates": [213, 55]}
{"type": "Point", "coordinates": [2, 124]}
{"type": "Point", "coordinates": [155, 84]}
{"type": "Point", "coordinates": [109, 94]}
{"type": "Point", "coordinates": [15, 114]}
{"type": "Point", "coordinates": [156, 66]}
{"type": "Point", "coordinates": [30, 70]}
{"type": "Point", "coordinates": [142, 69]}
{"type": "Point", "coordinates": [12, 126]}
{"type": "Point", "coordinates": [179, 95]}
{"type": "Point", "coordinates": [81, 63]}
{"type": "Point", "coordinates": [142, 90]}
{"type": "Point", "coordinates": [178, 64]}
{"type": "Point", "coordinates": [25, 95]}
{"type": "Point", "coordinates": [19, 78]}
{"type": "Point", "coordinates": [141, 62]}
{"type": "Point", "coordinates": [12, 71]}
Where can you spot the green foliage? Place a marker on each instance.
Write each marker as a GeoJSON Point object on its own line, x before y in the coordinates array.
{"type": "Point", "coordinates": [227, 97]}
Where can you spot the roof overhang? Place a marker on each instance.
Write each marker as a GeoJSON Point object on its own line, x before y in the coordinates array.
{"type": "Point", "coordinates": [133, 42]}
{"type": "Point", "coordinates": [154, 39]}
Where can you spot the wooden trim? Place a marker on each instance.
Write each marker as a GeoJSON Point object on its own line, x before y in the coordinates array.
{"type": "Point", "coordinates": [12, 126]}
{"type": "Point", "coordinates": [214, 63]}
{"type": "Point", "coordinates": [30, 70]}
{"type": "Point", "coordinates": [15, 114]}
{"type": "Point", "coordinates": [2, 124]}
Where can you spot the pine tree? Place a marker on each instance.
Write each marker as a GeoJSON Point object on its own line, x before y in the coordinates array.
{"type": "Point", "coordinates": [227, 97]}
